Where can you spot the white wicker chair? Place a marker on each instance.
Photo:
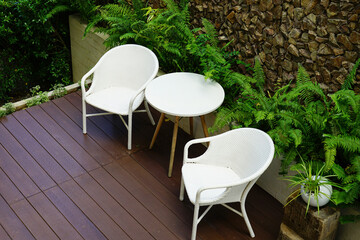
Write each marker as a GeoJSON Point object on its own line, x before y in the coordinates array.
{"type": "Point", "coordinates": [118, 83]}
{"type": "Point", "coordinates": [227, 170]}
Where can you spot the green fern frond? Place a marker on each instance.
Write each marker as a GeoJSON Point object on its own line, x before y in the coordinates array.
{"type": "Point", "coordinates": [330, 154]}
{"type": "Point", "coordinates": [117, 10]}
{"type": "Point", "coordinates": [259, 75]}
{"type": "Point", "coordinates": [260, 115]}
{"type": "Point", "coordinates": [338, 171]}
{"type": "Point", "coordinates": [289, 158]}
{"type": "Point", "coordinates": [172, 48]}
{"type": "Point", "coordinates": [351, 77]}
{"type": "Point", "coordinates": [58, 9]}
{"type": "Point", "coordinates": [270, 116]}
{"type": "Point", "coordinates": [302, 75]}
{"type": "Point", "coordinates": [296, 119]}
{"type": "Point", "coordinates": [306, 89]}
{"type": "Point", "coordinates": [92, 24]}
{"type": "Point", "coordinates": [348, 143]}
{"type": "Point", "coordinates": [281, 91]}
{"type": "Point", "coordinates": [171, 5]}
{"type": "Point", "coordinates": [211, 32]}
{"type": "Point", "coordinates": [296, 135]}
{"type": "Point", "coordinates": [350, 179]}
{"type": "Point", "coordinates": [127, 36]}
{"type": "Point", "coordinates": [138, 6]}
{"type": "Point", "coordinates": [346, 101]}
{"type": "Point", "coordinates": [224, 117]}
{"type": "Point", "coordinates": [183, 4]}
{"type": "Point", "coordinates": [348, 196]}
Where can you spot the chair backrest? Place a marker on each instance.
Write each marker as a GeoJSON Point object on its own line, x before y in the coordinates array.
{"type": "Point", "coordinates": [128, 65]}
{"type": "Point", "coordinates": [247, 151]}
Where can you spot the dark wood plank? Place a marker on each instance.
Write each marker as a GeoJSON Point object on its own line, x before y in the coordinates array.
{"type": "Point", "coordinates": [73, 214]}
{"type": "Point", "coordinates": [127, 196]}
{"type": "Point", "coordinates": [17, 175]}
{"type": "Point", "coordinates": [24, 159]}
{"type": "Point", "coordinates": [44, 159]}
{"type": "Point", "coordinates": [156, 207]}
{"type": "Point", "coordinates": [101, 156]}
{"type": "Point", "coordinates": [107, 143]}
{"type": "Point", "coordinates": [102, 122]}
{"type": "Point", "coordinates": [12, 224]}
{"type": "Point", "coordinates": [112, 208]}
{"type": "Point", "coordinates": [54, 218]}
{"type": "Point", "coordinates": [159, 190]}
{"type": "Point", "coordinates": [157, 164]}
{"type": "Point", "coordinates": [88, 206]}
{"type": "Point", "coordinates": [32, 220]}
{"type": "Point", "coordinates": [64, 139]}
{"type": "Point", "coordinates": [8, 190]}
{"type": "Point", "coordinates": [3, 234]}
{"type": "Point", "coordinates": [49, 143]}
{"type": "Point", "coordinates": [183, 210]}
{"type": "Point", "coordinates": [132, 205]}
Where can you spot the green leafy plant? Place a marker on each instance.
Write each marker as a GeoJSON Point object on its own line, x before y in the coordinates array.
{"type": "Point", "coordinates": [165, 31]}
{"type": "Point", "coordinates": [310, 176]}
{"type": "Point", "coordinates": [34, 49]}
{"type": "Point", "coordinates": [6, 109]}
{"type": "Point", "coordinates": [37, 97]}
{"type": "Point", "coordinates": [58, 90]}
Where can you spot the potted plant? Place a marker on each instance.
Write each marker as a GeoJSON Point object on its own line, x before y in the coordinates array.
{"type": "Point", "coordinates": [314, 187]}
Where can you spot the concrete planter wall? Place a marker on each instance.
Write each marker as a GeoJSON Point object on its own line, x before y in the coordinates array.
{"type": "Point", "coordinates": [87, 51]}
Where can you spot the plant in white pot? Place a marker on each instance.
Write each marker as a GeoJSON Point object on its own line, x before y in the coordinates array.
{"type": "Point", "coordinates": [315, 187]}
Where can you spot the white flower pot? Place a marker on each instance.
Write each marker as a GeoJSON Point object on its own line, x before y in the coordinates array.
{"type": "Point", "coordinates": [323, 196]}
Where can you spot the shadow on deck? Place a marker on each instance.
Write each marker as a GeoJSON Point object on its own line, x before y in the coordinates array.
{"type": "Point", "coordinates": [57, 183]}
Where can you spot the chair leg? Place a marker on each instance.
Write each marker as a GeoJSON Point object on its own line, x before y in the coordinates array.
{"type": "Point", "coordinates": [243, 211]}
{"type": "Point", "coordinates": [182, 189]}
{"type": "Point", "coordinates": [149, 112]}
{"type": "Point", "coordinates": [129, 131]}
{"type": "Point", "coordinates": [84, 115]}
{"type": "Point", "coordinates": [195, 221]}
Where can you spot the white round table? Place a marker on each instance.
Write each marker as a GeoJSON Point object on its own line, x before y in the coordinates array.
{"type": "Point", "coordinates": [183, 94]}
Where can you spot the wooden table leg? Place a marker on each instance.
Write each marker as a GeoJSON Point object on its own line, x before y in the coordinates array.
{"type": "Point", "coordinates": [173, 145]}
{"type": "Point", "coordinates": [161, 120]}
{"type": "Point", "coordinates": [205, 129]}
{"type": "Point", "coordinates": [191, 123]}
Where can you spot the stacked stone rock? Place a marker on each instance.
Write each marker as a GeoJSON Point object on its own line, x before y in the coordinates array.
{"type": "Point", "coordinates": [322, 35]}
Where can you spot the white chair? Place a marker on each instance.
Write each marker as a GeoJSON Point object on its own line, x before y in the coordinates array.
{"type": "Point", "coordinates": [118, 83]}
{"type": "Point", "coordinates": [226, 171]}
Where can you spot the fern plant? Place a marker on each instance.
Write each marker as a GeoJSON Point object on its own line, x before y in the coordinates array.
{"type": "Point", "coordinates": [304, 123]}
{"type": "Point", "coordinates": [165, 31]}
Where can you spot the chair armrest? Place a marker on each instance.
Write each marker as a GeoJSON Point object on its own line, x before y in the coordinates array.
{"type": "Point", "coordinates": [84, 78]}
{"type": "Point", "coordinates": [141, 89]}
{"type": "Point", "coordinates": [195, 141]}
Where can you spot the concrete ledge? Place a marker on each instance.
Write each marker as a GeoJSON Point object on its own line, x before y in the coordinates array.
{"type": "Point", "coordinates": [22, 103]}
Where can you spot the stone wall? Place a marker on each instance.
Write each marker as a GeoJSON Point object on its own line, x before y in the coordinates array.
{"type": "Point", "coordinates": [322, 35]}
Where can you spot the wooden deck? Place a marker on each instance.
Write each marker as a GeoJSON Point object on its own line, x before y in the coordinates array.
{"type": "Point", "coordinates": [57, 183]}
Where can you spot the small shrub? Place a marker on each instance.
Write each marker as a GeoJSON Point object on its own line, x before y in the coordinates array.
{"type": "Point", "coordinates": [58, 90]}
{"type": "Point", "coordinates": [6, 109]}
{"type": "Point", "coordinates": [38, 97]}
{"type": "Point", "coordinates": [34, 50]}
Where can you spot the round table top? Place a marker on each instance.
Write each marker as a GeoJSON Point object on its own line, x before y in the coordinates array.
{"type": "Point", "coordinates": [184, 94]}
